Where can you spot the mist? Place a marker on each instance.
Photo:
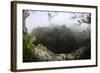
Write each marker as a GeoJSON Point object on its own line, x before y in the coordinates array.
{"type": "Point", "coordinates": [41, 19]}
{"type": "Point", "coordinates": [57, 33]}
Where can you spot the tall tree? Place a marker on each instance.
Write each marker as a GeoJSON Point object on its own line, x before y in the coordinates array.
{"type": "Point", "coordinates": [25, 15]}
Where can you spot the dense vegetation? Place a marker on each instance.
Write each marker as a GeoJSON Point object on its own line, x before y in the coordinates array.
{"type": "Point", "coordinates": [60, 39]}
{"type": "Point", "coordinates": [28, 44]}
{"type": "Point", "coordinates": [57, 39]}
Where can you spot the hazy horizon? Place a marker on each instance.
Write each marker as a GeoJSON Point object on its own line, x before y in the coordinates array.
{"type": "Point", "coordinates": [41, 19]}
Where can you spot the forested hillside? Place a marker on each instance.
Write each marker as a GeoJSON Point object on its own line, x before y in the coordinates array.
{"type": "Point", "coordinates": [57, 42]}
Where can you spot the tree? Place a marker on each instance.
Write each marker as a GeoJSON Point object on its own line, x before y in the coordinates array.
{"type": "Point", "coordinates": [81, 17]}
{"type": "Point", "coordinates": [51, 15]}
{"type": "Point", "coordinates": [25, 15]}
{"type": "Point", "coordinates": [27, 41]}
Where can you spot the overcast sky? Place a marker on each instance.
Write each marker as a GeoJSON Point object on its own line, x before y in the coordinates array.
{"type": "Point", "coordinates": [40, 19]}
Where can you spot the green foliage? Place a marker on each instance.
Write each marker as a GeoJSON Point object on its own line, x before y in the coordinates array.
{"type": "Point", "coordinates": [27, 47]}
{"type": "Point", "coordinates": [28, 41]}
